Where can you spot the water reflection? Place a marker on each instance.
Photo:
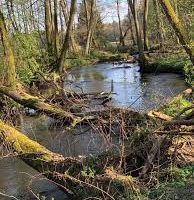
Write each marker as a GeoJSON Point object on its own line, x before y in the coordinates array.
{"type": "Point", "coordinates": [132, 90]}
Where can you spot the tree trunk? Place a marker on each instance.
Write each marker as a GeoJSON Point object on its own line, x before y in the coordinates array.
{"type": "Point", "coordinates": [9, 55]}
{"type": "Point", "coordinates": [73, 43]}
{"type": "Point", "coordinates": [90, 27]}
{"type": "Point", "coordinates": [48, 27]}
{"type": "Point", "coordinates": [56, 31]}
{"type": "Point", "coordinates": [131, 26]}
{"type": "Point", "coordinates": [122, 42]}
{"type": "Point", "coordinates": [142, 59]}
{"type": "Point", "coordinates": [145, 19]}
{"type": "Point", "coordinates": [66, 43]}
{"type": "Point", "coordinates": [180, 31]}
{"type": "Point", "coordinates": [159, 24]}
{"type": "Point", "coordinates": [11, 14]}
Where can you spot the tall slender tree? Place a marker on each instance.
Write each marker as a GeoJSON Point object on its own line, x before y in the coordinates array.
{"type": "Point", "coordinates": [142, 59]}
{"type": "Point", "coordinates": [65, 48]}
{"type": "Point", "coordinates": [48, 27]}
{"type": "Point", "coordinates": [145, 19]}
{"type": "Point", "coordinates": [121, 38]}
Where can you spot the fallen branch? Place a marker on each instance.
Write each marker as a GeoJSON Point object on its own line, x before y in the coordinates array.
{"type": "Point", "coordinates": [179, 123]}
{"type": "Point", "coordinates": [38, 104]}
{"type": "Point", "coordinates": [159, 115]}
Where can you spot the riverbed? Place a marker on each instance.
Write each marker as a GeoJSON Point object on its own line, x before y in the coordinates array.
{"type": "Point", "coordinates": [130, 89]}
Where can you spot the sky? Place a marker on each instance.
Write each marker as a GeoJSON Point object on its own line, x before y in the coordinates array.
{"type": "Point", "coordinates": [108, 8]}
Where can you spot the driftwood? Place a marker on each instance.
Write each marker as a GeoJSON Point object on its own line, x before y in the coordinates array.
{"type": "Point", "coordinates": [159, 115]}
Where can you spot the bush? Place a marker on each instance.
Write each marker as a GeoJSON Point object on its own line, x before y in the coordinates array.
{"type": "Point", "coordinates": [27, 54]}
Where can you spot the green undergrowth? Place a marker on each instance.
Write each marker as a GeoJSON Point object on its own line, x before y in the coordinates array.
{"type": "Point", "coordinates": [175, 106]}
{"type": "Point", "coordinates": [176, 183]}
{"type": "Point", "coordinates": [171, 64]}
{"type": "Point", "coordinates": [74, 61]}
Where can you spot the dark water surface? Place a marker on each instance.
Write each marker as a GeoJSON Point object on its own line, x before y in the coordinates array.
{"type": "Point", "coordinates": [132, 90]}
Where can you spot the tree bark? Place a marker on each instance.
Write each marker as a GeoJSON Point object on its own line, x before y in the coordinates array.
{"type": "Point", "coordinates": [142, 59]}
{"type": "Point", "coordinates": [180, 31]}
{"type": "Point", "coordinates": [145, 19]}
{"type": "Point", "coordinates": [9, 54]}
{"type": "Point", "coordinates": [48, 27]}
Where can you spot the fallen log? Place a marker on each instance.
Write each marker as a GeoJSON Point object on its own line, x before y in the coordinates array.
{"type": "Point", "coordinates": [38, 104]}
{"type": "Point", "coordinates": [180, 123]}
{"type": "Point", "coordinates": [72, 174]}
{"type": "Point", "coordinates": [159, 115]}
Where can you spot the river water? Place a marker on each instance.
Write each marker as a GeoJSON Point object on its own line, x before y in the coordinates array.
{"type": "Point", "coordinates": [131, 90]}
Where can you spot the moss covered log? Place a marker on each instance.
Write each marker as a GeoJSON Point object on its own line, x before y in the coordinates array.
{"type": "Point", "coordinates": [38, 104]}
{"type": "Point", "coordinates": [78, 176]}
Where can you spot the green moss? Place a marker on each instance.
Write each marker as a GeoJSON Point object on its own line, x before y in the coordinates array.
{"type": "Point", "coordinates": [174, 107]}
{"type": "Point", "coordinates": [21, 143]}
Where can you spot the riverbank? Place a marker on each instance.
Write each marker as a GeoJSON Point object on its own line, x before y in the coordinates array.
{"type": "Point", "coordinates": [171, 63]}
{"type": "Point", "coordinates": [94, 58]}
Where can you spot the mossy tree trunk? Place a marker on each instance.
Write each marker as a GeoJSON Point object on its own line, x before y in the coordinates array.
{"type": "Point", "coordinates": [38, 104]}
{"type": "Point", "coordinates": [179, 29]}
{"type": "Point", "coordinates": [10, 79]}
{"type": "Point", "coordinates": [71, 174]}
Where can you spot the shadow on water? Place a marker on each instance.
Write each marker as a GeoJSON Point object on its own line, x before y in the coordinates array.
{"type": "Point", "coordinates": [132, 90]}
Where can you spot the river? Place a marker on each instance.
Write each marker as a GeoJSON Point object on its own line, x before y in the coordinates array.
{"type": "Point", "coordinates": [131, 89]}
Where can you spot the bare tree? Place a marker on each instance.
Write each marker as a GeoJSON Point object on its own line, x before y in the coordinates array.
{"type": "Point", "coordinates": [66, 43]}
